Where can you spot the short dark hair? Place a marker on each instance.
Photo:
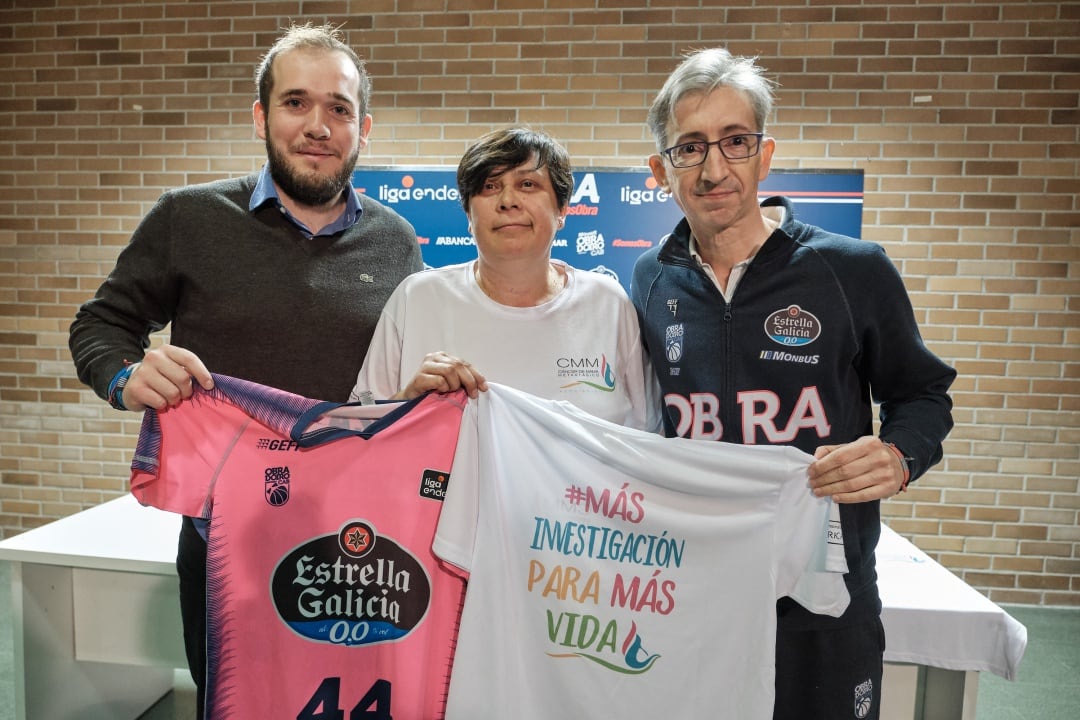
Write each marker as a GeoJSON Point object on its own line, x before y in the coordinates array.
{"type": "Point", "coordinates": [502, 150]}
{"type": "Point", "coordinates": [310, 37]}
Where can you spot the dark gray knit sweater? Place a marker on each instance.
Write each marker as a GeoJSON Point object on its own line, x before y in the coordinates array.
{"type": "Point", "coordinates": [246, 292]}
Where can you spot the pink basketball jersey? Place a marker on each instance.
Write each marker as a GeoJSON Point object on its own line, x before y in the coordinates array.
{"type": "Point", "coordinates": [323, 594]}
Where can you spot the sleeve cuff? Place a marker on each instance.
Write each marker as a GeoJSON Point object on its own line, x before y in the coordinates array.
{"type": "Point", "coordinates": [116, 386]}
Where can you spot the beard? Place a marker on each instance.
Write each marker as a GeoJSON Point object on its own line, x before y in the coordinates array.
{"type": "Point", "coordinates": [311, 188]}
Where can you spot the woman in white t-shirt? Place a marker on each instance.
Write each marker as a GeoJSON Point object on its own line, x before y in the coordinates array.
{"type": "Point", "coordinates": [514, 315]}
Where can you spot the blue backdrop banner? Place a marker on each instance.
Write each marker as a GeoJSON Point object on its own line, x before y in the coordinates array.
{"type": "Point", "coordinates": [615, 213]}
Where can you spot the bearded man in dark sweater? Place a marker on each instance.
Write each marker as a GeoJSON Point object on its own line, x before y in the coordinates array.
{"type": "Point", "coordinates": [278, 277]}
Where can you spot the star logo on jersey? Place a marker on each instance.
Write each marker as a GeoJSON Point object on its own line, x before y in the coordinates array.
{"type": "Point", "coordinates": [356, 538]}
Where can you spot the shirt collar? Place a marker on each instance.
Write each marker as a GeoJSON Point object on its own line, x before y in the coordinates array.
{"type": "Point", "coordinates": [736, 274]}
{"type": "Point", "coordinates": [776, 214]}
{"type": "Point", "coordinates": [266, 194]}
{"type": "Point", "coordinates": [696, 254]}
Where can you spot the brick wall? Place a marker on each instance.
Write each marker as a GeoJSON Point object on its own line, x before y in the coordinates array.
{"type": "Point", "coordinates": [963, 115]}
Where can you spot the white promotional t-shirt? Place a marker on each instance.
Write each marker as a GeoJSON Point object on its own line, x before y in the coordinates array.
{"type": "Point", "coordinates": [615, 573]}
{"type": "Point", "coordinates": [582, 346]}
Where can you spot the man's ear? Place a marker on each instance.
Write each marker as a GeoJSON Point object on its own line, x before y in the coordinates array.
{"type": "Point", "coordinates": [768, 147]}
{"type": "Point", "coordinates": [259, 116]}
{"type": "Point", "coordinates": [659, 172]}
{"type": "Point", "coordinates": [365, 130]}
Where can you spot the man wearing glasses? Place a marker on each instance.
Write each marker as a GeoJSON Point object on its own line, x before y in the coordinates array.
{"type": "Point", "coordinates": [766, 330]}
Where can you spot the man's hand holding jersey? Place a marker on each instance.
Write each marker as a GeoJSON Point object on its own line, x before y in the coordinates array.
{"type": "Point", "coordinates": [860, 471]}
{"type": "Point", "coordinates": [165, 377]}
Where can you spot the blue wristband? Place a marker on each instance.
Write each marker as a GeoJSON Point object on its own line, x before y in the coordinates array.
{"type": "Point", "coordinates": [116, 386]}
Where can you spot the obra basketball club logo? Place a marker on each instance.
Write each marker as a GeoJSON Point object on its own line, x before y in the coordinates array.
{"type": "Point", "coordinates": [353, 588]}
{"type": "Point", "coordinates": [864, 698]}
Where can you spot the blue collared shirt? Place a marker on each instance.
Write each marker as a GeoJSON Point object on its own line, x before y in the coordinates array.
{"type": "Point", "coordinates": [265, 192]}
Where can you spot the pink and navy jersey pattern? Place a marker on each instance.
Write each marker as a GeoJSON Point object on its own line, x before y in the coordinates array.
{"type": "Point", "coordinates": [323, 594]}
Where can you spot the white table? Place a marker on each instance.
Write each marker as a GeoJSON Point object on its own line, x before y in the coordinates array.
{"type": "Point", "coordinates": [97, 621]}
{"type": "Point", "coordinates": [96, 613]}
{"type": "Point", "coordinates": [943, 631]}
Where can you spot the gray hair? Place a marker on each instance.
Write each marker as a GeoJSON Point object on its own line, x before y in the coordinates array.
{"type": "Point", "coordinates": [311, 37]}
{"type": "Point", "coordinates": [704, 71]}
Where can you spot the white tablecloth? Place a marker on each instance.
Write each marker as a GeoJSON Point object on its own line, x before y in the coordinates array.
{"type": "Point", "coordinates": [932, 617]}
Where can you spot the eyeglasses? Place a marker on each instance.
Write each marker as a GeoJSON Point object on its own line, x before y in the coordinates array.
{"type": "Point", "coordinates": [732, 147]}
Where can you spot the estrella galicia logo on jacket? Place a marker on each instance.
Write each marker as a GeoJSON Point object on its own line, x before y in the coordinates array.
{"type": "Point", "coordinates": [792, 327]}
{"type": "Point", "coordinates": [673, 342]}
{"type": "Point", "coordinates": [353, 588]}
{"type": "Point", "coordinates": [276, 485]}
{"type": "Point", "coordinates": [596, 373]}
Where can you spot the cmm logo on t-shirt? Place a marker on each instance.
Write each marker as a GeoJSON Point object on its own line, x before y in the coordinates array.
{"type": "Point", "coordinates": [353, 587]}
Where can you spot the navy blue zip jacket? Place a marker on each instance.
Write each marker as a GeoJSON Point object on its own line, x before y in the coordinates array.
{"type": "Point", "coordinates": [819, 328]}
